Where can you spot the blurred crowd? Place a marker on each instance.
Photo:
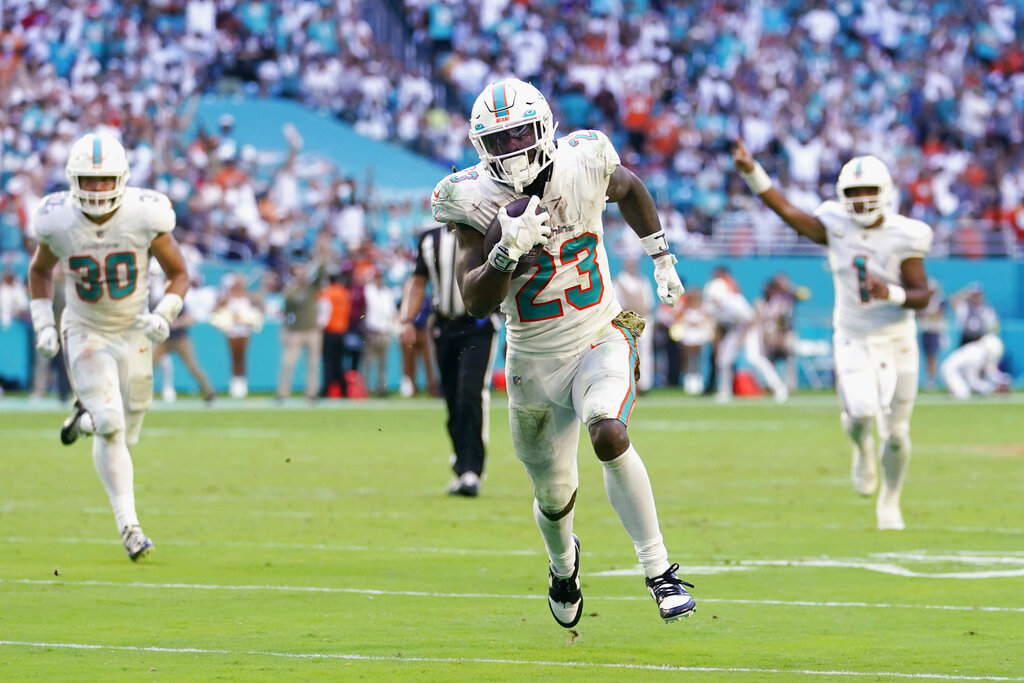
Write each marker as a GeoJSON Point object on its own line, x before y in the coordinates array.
{"type": "Point", "coordinates": [934, 88]}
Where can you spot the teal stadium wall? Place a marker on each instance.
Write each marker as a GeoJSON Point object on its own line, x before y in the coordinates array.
{"type": "Point", "coordinates": [396, 171]}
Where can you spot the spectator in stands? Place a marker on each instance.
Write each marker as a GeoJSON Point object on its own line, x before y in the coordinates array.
{"type": "Point", "coordinates": [693, 331]}
{"type": "Point", "coordinates": [339, 308]}
{"type": "Point", "coordinates": [975, 317]}
{"type": "Point", "coordinates": [238, 314]}
{"type": "Point", "coordinates": [775, 314]}
{"type": "Point", "coordinates": [931, 321]}
{"type": "Point", "coordinates": [379, 330]}
{"type": "Point", "coordinates": [417, 354]}
{"type": "Point", "coordinates": [300, 332]}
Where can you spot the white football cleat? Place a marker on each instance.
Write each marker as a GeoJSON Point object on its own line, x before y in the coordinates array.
{"type": "Point", "coordinates": [136, 543]}
{"type": "Point", "coordinates": [565, 598]}
{"type": "Point", "coordinates": [889, 516]}
{"type": "Point", "coordinates": [673, 600]}
{"type": "Point", "coordinates": [864, 472]}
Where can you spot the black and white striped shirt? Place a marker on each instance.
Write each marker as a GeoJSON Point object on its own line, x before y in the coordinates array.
{"type": "Point", "coordinates": [435, 260]}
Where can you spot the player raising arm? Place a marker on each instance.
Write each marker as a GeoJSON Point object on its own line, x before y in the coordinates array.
{"type": "Point", "coordinates": [877, 261]}
{"type": "Point", "coordinates": [102, 233]}
{"type": "Point", "coordinates": [572, 354]}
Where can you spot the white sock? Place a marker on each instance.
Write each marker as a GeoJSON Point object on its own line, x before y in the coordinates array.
{"type": "Point", "coordinates": [629, 490]}
{"type": "Point", "coordinates": [557, 536]}
{"type": "Point", "coordinates": [114, 465]}
{"type": "Point", "coordinates": [895, 462]}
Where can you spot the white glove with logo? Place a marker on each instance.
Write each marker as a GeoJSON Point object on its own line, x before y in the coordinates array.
{"type": "Point", "coordinates": [154, 326]}
{"type": "Point", "coordinates": [45, 326]}
{"type": "Point", "coordinates": [48, 342]}
{"type": "Point", "coordinates": [670, 288]}
{"type": "Point", "coordinates": [521, 233]}
{"type": "Point", "coordinates": [157, 325]}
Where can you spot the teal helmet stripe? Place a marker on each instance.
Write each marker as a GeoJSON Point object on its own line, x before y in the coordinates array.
{"type": "Point", "coordinates": [500, 102]}
{"type": "Point", "coordinates": [97, 151]}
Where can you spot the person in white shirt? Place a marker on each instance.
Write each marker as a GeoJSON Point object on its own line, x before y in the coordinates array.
{"type": "Point", "coordinates": [974, 367]}
{"type": "Point", "coordinates": [877, 261]}
{"type": "Point", "coordinates": [379, 328]}
{"type": "Point", "coordinates": [737, 321]}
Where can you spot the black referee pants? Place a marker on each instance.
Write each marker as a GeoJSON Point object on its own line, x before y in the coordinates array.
{"type": "Point", "coordinates": [463, 349]}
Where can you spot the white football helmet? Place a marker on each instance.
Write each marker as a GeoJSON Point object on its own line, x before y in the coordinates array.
{"type": "Point", "coordinates": [513, 131]}
{"type": "Point", "coordinates": [97, 155]}
{"type": "Point", "coordinates": [866, 171]}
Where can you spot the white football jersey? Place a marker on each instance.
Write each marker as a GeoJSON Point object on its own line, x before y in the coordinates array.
{"type": "Point", "coordinates": [727, 306]}
{"type": "Point", "coordinates": [854, 250]}
{"type": "Point", "coordinates": [566, 299]}
{"type": "Point", "coordinates": [106, 265]}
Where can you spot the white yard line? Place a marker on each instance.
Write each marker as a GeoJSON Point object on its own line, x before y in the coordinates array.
{"type": "Point", "coordinates": [504, 662]}
{"type": "Point", "coordinates": [267, 588]}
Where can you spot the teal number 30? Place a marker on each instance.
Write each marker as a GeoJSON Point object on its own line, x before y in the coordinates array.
{"type": "Point", "coordinates": [119, 273]}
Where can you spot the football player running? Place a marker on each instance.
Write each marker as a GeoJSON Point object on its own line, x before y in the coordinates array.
{"type": "Point", "coordinates": [572, 351]}
{"type": "Point", "coordinates": [877, 261]}
{"type": "Point", "coordinates": [102, 233]}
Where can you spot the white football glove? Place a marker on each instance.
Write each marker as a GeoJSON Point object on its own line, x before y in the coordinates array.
{"type": "Point", "coordinates": [520, 234]}
{"type": "Point", "coordinates": [670, 288]}
{"type": "Point", "coordinates": [48, 342]}
{"type": "Point", "coordinates": [154, 326]}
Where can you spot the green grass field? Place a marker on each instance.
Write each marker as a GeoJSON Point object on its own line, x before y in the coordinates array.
{"type": "Point", "coordinates": [317, 543]}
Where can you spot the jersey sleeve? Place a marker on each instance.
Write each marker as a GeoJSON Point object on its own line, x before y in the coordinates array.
{"type": "Point", "coordinates": [833, 216]}
{"type": "Point", "coordinates": [159, 213]}
{"type": "Point", "coordinates": [919, 241]}
{"type": "Point", "coordinates": [596, 154]}
{"type": "Point", "coordinates": [453, 198]}
{"type": "Point", "coordinates": [43, 223]}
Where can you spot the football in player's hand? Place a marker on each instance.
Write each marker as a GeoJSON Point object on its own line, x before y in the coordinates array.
{"type": "Point", "coordinates": [493, 235]}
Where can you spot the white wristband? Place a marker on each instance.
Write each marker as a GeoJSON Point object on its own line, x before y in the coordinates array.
{"type": "Point", "coordinates": [500, 259]}
{"type": "Point", "coordinates": [757, 179]}
{"type": "Point", "coordinates": [655, 244]}
{"type": "Point", "coordinates": [169, 307]}
{"type": "Point", "coordinates": [42, 314]}
{"type": "Point", "coordinates": [897, 295]}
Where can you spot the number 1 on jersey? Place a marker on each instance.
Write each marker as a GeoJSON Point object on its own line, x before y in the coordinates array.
{"type": "Point", "coordinates": [861, 264]}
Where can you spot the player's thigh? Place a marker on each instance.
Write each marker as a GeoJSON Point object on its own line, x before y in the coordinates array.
{"type": "Point", "coordinates": [544, 427]}
{"type": "Point", "coordinates": [136, 371]}
{"type": "Point", "coordinates": [93, 364]}
{"type": "Point", "coordinates": [906, 362]}
{"type": "Point", "coordinates": [856, 377]}
{"type": "Point", "coordinates": [605, 384]}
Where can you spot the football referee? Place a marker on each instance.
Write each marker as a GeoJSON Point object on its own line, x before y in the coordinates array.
{"type": "Point", "coordinates": [464, 347]}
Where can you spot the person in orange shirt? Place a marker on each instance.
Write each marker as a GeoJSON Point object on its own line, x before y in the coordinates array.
{"type": "Point", "coordinates": [338, 304]}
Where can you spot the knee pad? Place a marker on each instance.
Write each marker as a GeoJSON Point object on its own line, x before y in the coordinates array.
{"type": "Point", "coordinates": [108, 421]}
{"type": "Point", "coordinates": [856, 427]}
{"type": "Point", "coordinates": [898, 443]}
{"type": "Point", "coordinates": [555, 504]}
